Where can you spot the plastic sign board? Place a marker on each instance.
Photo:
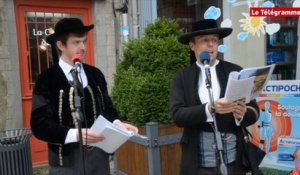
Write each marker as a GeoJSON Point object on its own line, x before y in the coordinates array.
{"type": "Point", "coordinates": [278, 130]}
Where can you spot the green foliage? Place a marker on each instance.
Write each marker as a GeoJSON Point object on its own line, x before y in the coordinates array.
{"type": "Point", "coordinates": [271, 171]}
{"type": "Point", "coordinates": [142, 81]}
{"type": "Point", "coordinates": [163, 28]}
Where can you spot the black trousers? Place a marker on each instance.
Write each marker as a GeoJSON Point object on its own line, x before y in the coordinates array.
{"type": "Point", "coordinates": [97, 163]}
{"type": "Point", "coordinates": [232, 169]}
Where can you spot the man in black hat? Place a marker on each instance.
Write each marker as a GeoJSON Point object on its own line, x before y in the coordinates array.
{"type": "Point", "coordinates": [191, 109]}
{"type": "Point", "coordinates": [53, 119]}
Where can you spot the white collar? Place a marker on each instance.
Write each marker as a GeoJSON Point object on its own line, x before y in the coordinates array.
{"type": "Point", "coordinates": [65, 66]}
{"type": "Point", "coordinates": [213, 66]}
{"type": "Point", "coordinates": [67, 71]}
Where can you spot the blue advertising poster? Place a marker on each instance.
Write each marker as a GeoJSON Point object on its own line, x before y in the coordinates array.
{"type": "Point", "coordinates": [278, 129]}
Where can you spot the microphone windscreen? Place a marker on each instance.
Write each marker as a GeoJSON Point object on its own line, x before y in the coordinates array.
{"type": "Point", "coordinates": [76, 58]}
{"type": "Point", "coordinates": [204, 57]}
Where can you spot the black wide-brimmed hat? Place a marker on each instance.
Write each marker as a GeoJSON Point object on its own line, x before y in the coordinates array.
{"type": "Point", "coordinates": [68, 25]}
{"type": "Point", "coordinates": [204, 27]}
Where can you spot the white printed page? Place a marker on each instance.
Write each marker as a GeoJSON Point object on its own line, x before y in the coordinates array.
{"type": "Point", "coordinates": [239, 89]}
{"type": "Point", "coordinates": [114, 136]}
{"type": "Point", "coordinates": [248, 83]}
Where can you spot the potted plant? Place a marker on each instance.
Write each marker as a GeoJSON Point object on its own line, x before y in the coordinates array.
{"type": "Point", "coordinates": [141, 92]}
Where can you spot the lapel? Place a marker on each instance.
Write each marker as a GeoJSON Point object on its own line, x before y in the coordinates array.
{"type": "Point", "coordinates": [60, 76]}
{"type": "Point", "coordinates": [194, 78]}
{"type": "Point", "coordinates": [222, 77]}
{"type": "Point", "coordinates": [90, 75]}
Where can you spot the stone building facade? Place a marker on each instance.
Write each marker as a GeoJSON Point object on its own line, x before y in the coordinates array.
{"type": "Point", "coordinates": [10, 90]}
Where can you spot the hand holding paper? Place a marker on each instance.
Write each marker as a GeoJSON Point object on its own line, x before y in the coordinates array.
{"type": "Point", "coordinates": [240, 109]}
{"type": "Point", "coordinates": [88, 136]}
{"type": "Point", "coordinates": [223, 106]}
{"type": "Point", "coordinates": [114, 136]}
{"type": "Point", "coordinates": [127, 127]}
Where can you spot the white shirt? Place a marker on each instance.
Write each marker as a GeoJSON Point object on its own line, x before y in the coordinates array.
{"type": "Point", "coordinates": [203, 91]}
{"type": "Point", "coordinates": [67, 71]}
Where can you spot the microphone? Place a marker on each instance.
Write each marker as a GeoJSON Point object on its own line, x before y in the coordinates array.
{"type": "Point", "coordinates": [205, 59]}
{"type": "Point", "coordinates": [76, 59]}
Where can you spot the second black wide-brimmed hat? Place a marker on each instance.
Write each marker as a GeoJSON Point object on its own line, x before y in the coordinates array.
{"type": "Point", "coordinates": [68, 25]}
{"type": "Point", "coordinates": [204, 27]}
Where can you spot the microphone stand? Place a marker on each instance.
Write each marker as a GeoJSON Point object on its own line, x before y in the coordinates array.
{"type": "Point", "coordinates": [218, 139]}
{"type": "Point", "coordinates": [78, 91]}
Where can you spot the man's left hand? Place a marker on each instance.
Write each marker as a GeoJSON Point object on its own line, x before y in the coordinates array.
{"type": "Point", "coordinates": [239, 110]}
{"type": "Point", "coordinates": [127, 127]}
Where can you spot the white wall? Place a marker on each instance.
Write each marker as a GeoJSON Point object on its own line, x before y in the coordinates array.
{"type": "Point", "coordinates": [248, 53]}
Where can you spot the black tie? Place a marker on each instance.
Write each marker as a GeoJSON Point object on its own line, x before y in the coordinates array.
{"type": "Point", "coordinates": [76, 83]}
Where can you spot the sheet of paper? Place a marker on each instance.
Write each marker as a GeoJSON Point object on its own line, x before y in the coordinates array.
{"type": "Point", "coordinates": [239, 89]}
{"type": "Point", "coordinates": [248, 83]}
{"type": "Point", "coordinates": [114, 136]}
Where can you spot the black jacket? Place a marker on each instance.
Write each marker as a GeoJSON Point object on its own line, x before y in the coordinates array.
{"type": "Point", "coordinates": [188, 111]}
{"type": "Point", "coordinates": [51, 116]}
